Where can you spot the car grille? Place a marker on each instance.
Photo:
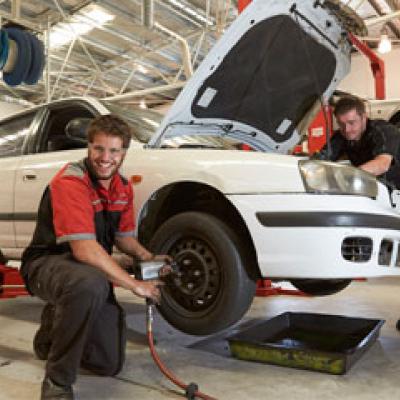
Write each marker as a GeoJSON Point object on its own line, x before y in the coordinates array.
{"type": "Point", "coordinates": [398, 257]}
{"type": "Point", "coordinates": [385, 252]}
{"type": "Point", "coordinates": [357, 249]}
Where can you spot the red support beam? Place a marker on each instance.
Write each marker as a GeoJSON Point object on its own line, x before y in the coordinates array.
{"type": "Point", "coordinates": [242, 4]}
{"type": "Point", "coordinates": [377, 66]}
{"type": "Point", "coordinates": [11, 283]}
{"type": "Point", "coordinates": [265, 288]}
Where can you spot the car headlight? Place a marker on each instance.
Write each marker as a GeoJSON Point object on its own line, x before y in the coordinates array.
{"type": "Point", "coordinates": [327, 177]}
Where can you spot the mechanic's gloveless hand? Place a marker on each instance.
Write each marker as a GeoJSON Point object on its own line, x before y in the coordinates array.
{"type": "Point", "coordinates": [163, 257]}
{"type": "Point", "coordinates": [149, 290]}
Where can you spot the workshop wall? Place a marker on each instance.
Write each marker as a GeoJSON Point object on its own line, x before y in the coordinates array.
{"type": "Point", "coordinates": [360, 80]}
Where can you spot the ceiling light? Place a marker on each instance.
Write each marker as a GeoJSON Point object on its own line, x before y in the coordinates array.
{"type": "Point", "coordinates": [190, 11]}
{"type": "Point", "coordinates": [385, 45]}
{"type": "Point", "coordinates": [65, 32]}
{"type": "Point", "coordinates": [140, 68]}
{"type": "Point", "coordinates": [98, 14]}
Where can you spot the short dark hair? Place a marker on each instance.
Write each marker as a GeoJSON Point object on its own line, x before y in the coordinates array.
{"type": "Point", "coordinates": [112, 125]}
{"type": "Point", "coordinates": [348, 103]}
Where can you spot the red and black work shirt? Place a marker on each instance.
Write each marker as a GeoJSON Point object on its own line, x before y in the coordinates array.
{"type": "Point", "coordinates": [76, 206]}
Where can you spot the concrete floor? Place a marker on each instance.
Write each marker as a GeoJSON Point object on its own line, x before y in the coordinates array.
{"type": "Point", "coordinates": [375, 376]}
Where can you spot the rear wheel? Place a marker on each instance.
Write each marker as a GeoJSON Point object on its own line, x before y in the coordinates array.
{"type": "Point", "coordinates": [320, 287]}
{"type": "Point", "coordinates": [214, 289]}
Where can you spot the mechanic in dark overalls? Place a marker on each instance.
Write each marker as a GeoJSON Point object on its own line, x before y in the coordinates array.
{"type": "Point", "coordinates": [86, 209]}
{"type": "Point", "coordinates": [371, 145]}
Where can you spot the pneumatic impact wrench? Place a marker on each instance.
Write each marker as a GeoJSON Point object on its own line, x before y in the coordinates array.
{"type": "Point", "coordinates": [150, 270]}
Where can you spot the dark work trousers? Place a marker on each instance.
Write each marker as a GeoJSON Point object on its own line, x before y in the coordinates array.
{"type": "Point", "coordinates": [89, 325]}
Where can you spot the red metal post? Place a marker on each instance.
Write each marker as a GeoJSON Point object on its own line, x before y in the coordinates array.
{"type": "Point", "coordinates": [377, 66]}
{"type": "Point", "coordinates": [265, 288]}
{"type": "Point", "coordinates": [11, 283]}
{"type": "Point", "coordinates": [317, 130]}
{"type": "Point", "coordinates": [242, 4]}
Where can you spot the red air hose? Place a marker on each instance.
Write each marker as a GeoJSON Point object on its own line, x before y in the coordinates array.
{"type": "Point", "coordinates": [191, 390]}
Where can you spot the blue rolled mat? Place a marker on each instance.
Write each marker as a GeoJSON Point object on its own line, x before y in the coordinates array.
{"type": "Point", "coordinates": [37, 63]}
{"type": "Point", "coordinates": [23, 61]}
{"type": "Point", "coordinates": [3, 48]}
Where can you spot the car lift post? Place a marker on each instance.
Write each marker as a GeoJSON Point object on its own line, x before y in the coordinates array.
{"type": "Point", "coordinates": [11, 283]}
{"type": "Point", "coordinates": [264, 286]}
{"type": "Point", "coordinates": [377, 66]}
{"type": "Point", "coordinates": [242, 4]}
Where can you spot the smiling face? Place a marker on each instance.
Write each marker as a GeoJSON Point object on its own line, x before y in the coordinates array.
{"type": "Point", "coordinates": [352, 124]}
{"type": "Point", "coordinates": [105, 156]}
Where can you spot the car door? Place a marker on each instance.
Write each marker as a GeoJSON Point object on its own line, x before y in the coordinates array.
{"type": "Point", "coordinates": [14, 133]}
{"type": "Point", "coordinates": [36, 169]}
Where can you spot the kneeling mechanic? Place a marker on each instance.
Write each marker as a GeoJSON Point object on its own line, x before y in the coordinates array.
{"type": "Point", "coordinates": [86, 209]}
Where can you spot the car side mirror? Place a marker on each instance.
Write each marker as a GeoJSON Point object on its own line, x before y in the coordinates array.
{"type": "Point", "coordinates": [76, 129]}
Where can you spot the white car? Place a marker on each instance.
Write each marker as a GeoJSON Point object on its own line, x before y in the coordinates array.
{"type": "Point", "coordinates": [228, 217]}
{"type": "Point", "coordinates": [388, 109]}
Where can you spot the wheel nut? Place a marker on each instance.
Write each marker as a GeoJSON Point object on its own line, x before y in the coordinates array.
{"type": "Point", "coordinates": [190, 286]}
{"type": "Point", "coordinates": [196, 273]}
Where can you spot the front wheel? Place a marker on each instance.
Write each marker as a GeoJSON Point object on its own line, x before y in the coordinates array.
{"type": "Point", "coordinates": [320, 287]}
{"type": "Point", "coordinates": [214, 288]}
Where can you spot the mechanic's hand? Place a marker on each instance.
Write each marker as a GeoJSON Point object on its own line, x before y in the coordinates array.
{"type": "Point", "coordinates": [149, 290]}
{"type": "Point", "coordinates": [163, 257]}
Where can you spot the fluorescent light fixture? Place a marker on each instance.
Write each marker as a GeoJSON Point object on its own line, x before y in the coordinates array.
{"type": "Point", "coordinates": [99, 15]}
{"type": "Point", "coordinates": [191, 12]}
{"type": "Point", "coordinates": [142, 103]}
{"type": "Point", "coordinates": [140, 68]}
{"type": "Point", "coordinates": [385, 45]}
{"type": "Point", "coordinates": [65, 32]}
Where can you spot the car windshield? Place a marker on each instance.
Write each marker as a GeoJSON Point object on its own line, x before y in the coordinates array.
{"type": "Point", "coordinates": [144, 122]}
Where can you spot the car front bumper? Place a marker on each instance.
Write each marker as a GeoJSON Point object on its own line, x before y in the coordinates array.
{"type": "Point", "coordinates": [321, 236]}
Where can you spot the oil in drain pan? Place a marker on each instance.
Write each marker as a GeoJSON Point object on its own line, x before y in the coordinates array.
{"type": "Point", "coordinates": [318, 342]}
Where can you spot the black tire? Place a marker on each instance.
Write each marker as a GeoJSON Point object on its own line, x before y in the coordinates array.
{"type": "Point", "coordinates": [215, 289]}
{"type": "Point", "coordinates": [320, 287]}
{"type": "Point", "coordinates": [24, 58]}
{"type": "Point", "coordinates": [35, 71]}
{"type": "Point", "coordinates": [3, 48]}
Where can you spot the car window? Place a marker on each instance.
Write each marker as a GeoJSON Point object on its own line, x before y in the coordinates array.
{"type": "Point", "coordinates": [54, 133]}
{"type": "Point", "coordinates": [13, 133]}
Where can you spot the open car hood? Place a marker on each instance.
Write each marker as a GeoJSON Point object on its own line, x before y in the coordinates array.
{"type": "Point", "coordinates": [266, 75]}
